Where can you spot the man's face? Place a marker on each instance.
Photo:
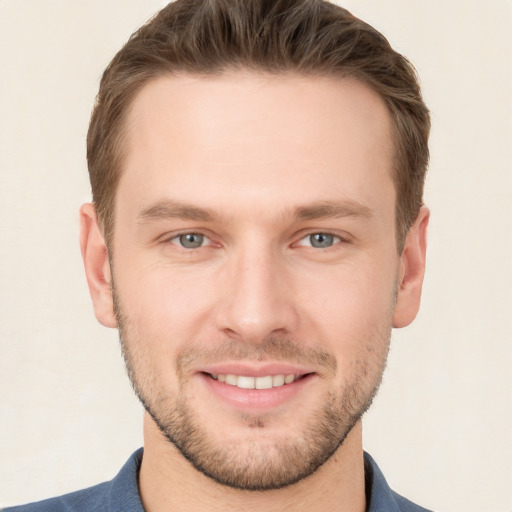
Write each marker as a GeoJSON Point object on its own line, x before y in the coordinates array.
{"type": "Point", "coordinates": [255, 247]}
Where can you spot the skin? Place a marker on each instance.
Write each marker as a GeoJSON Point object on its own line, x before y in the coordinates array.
{"type": "Point", "coordinates": [271, 160]}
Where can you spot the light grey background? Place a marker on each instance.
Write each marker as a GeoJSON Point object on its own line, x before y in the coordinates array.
{"type": "Point", "coordinates": [441, 427]}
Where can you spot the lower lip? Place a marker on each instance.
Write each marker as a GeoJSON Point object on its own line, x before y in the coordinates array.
{"type": "Point", "coordinates": [256, 399]}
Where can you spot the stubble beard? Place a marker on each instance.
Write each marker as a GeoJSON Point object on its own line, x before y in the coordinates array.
{"type": "Point", "coordinates": [248, 464]}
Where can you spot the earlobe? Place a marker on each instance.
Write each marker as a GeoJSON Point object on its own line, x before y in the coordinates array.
{"type": "Point", "coordinates": [97, 265]}
{"type": "Point", "coordinates": [412, 270]}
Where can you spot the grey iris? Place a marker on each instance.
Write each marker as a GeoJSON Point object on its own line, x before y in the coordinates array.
{"type": "Point", "coordinates": [191, 240]}
{"type": "Point", "coordinates": [321, 240]}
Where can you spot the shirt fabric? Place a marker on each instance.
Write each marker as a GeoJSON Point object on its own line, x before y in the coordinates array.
{"type": "Point", "coordinates": [122, 494]}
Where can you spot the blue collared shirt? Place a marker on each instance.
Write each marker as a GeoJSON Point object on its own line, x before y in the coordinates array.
{"type": "Point", "coordinates": [122, 494]}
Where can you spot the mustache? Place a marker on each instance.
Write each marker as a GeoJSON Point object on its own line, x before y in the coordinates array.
{"type": "Point", "coordinates": [276, 348]}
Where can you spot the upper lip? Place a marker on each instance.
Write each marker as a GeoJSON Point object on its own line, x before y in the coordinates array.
{"type": "Point", "coordinates": [255, 369]}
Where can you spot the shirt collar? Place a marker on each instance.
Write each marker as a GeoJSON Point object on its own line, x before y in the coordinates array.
{"type": "Point", "coordinates": [124, 493]}
{"type": "Point", "coordinates": [379, 496]}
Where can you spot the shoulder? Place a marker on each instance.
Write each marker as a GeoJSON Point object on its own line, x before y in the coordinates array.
{"type": "Point", "coordinates": [92, 498]}
{"type": "Point", "coordinates": [119, 495]}
{"type": "Point", "coordinates": [405, 505]}
{"type": "Point", "coordinates": [380, 497]}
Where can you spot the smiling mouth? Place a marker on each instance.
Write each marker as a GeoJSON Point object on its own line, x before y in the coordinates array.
{"type": "Point", "coordinates": [264, 382]}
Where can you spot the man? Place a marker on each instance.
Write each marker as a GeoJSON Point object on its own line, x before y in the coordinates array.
{"type": "Point", "coordinates": [256, 231]}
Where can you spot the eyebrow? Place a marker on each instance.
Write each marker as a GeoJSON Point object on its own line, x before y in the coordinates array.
{"type": "Point", "coordinates": [332, 210]}
{"type": "Point", "coordinates": [169, 209]}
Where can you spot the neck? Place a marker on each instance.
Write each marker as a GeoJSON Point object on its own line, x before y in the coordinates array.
{"type": "Point", "coordinates": [168, 482]}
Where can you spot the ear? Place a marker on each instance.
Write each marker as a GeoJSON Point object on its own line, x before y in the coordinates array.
{"type": "Point", "coordinates": [97, 266]}
{"type": "Point", "coordinates": [412, 270]}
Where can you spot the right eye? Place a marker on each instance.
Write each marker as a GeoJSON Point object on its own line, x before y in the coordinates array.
{"type": "Point", "coordinates": [190, 240]}
{"type": "Point", "coordinates": [320, 240]}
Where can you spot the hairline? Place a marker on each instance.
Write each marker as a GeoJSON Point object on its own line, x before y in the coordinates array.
{"type": "Point", "coordinates": [121, 137]}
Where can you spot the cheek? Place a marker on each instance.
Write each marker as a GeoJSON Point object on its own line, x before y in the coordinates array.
{"type": "Point", "coordinates": [355, 328]}
{"type": "Point", "coordinates": [159, 320]}
{"type": "Point", "coordinates": [350, 308]}
{"type": "Point", "coordinates": [163, 306]}
{"type": "Point", "coordinates": [159, 298]}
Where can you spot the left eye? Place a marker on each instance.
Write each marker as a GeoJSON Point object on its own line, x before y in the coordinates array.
{"type": "Point", "coordinates": [320, 240]}
{"type": "Point", "coordinates": [190, 240]}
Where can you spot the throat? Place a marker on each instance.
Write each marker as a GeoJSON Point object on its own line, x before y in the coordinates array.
{"type": "Point", "coordinates": [169, 483]}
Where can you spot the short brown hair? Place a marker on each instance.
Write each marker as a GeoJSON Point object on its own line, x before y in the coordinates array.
{"type": "Point", "coordinates": [311, 37]}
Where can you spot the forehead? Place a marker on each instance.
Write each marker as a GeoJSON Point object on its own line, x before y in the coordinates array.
{"type": "Point", "coordinates": [268, 137]}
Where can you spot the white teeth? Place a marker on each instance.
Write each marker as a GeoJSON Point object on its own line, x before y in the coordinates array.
{"type": "Point", "coordinates": [232, 380]}
{"type": "Point", "coordinates": [262, 382]}
{"type": "Point", "coordinates": [244, 382]}
{"type": "Point", "coordinates": [277, 380]}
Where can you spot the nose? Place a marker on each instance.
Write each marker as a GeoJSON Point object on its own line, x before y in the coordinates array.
{"type": "Point", "coordinates": [257, 296]}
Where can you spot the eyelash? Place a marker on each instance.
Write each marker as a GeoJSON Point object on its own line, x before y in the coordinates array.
{"type": "Point", "coordinates": [178, 236]}
{"type": "Point", "coordinates": [336, 239]}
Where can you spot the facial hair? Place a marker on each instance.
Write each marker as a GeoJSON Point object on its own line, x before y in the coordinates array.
{"type": "Point", "coordinates": [256, 463]}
